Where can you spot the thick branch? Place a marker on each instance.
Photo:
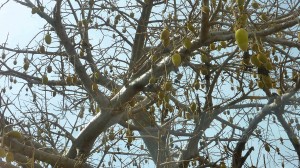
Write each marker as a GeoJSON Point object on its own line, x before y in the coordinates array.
{"type": "Point", "coordinates": [52, 159]}
{"type": "Point", "coordinates": [140, 35]}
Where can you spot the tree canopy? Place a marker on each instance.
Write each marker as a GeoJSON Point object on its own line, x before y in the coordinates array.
{"type": "Point", "coordinates": [108, 83]}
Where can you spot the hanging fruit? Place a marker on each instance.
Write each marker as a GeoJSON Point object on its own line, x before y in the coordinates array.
{"type": "Point", "coordinates": [48, 38]}
{"type": "Point", "coordinates": [176, 59]}
{"type": "Point", "coordinates": [241, 37]}
{"type": "Point", "coordinates": [187, 43]}
{"type": "Point", "coordinates": [165, 34]}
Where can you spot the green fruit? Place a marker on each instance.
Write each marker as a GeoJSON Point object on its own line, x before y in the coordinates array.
{"type": "Point", "coordinates": [152, 80]}
{"type": "Point", "coordinates": [241, 37]}
{"type": "Point", "coordinates": [26, 65]}
{"type": "Point", "coordinates": [14, 134]}
{"type": "Point", "coordinates": [2, 152]}
{"type": "Point", "coordinates": [267, 147]}
{"type": "Point", "coordinates": [42, 49]}
{"type": "Point", "coordinates": [255, 5]}
{"type": "Point", "coordinates": [212, 46]}
{"type": "Point", "coordinates": [165, 34]}
{"type": "Point", "coordinates": [69, 80]}
{"type": "Point", "coordinates": [260, 84]}
{"type": "Point", "coordinates": [240, 2]}
{"type": "Point", "coordinates": [34, 10]}
{"type": "Point", "coordinates": [176, 59]}
{"type": "Point", "coordinates": [264, 17]}
{"type": "Point", "coordinates": [223, 44]}
{"type": "Point", "coordinates": [205, 9]}
{"type": "Point", "coordinates": [268, 65]}
{"type": "Point", "coordinates": [262, 57]}
{"type": "Point", "coordinates": [255, 61]}
{"type": "Point", "coordinates": [74, 79]}
{"type": "Point", "coordinates": [166, 42]}
{"type": "Point", "coordinates": [267, 81]}
{"type": "Point", "coordinates": [193, 106]}
{"type": "Point", "coordinates": [205, 58]}
{"type": "Point", "coordinates": [190, 26]}
{"type": "Point", "coordinates": [168, 85]}
{"type": "Point", "coordinates": [94, 87]}
{"type": "Point", "coordinates": [196, 85]}
{"type": "Point", "coordinates": [204, 70]}
{"type": "Point", "coordinates": [222, 164]}
{"type": "Point", "coordinates": [154, 58]}
{"type": "Point", "coordinates": [187, 43]}
{"type": "Point", "coordinates": [9, 157]}
{"type": "Point", "coordinates": [44, 79]}
{"type": "Point", "coordinates": [48, 38]}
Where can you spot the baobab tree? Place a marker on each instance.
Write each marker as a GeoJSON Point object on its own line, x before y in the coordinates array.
{"type": "Point", "coordinates": [153, 83]}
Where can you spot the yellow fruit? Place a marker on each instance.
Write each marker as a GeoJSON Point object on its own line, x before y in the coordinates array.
{"type": "Point", "coordinates": [255, 5]}
{"type": "Point", "coordinates": [241, 37]}
{"type": "Point", "coordinates": [14, 134]}
{"type": "Point", "coordinates": [48, 38]}
{"type": "Point", "coordinates": [168, 85]}
{"type": "Point", "coordinates": [187, 43]}
{"type": "Point", "coordinates": [255, 61]}
{"type": "Point", "coordinates": [9, 157]}
{"type": "Point", "coordinates": [223, 44]}
{"type": "Point", "coordinates": [262, 57]}
{"type": "Point", "coordinates": [176, 59]}
{"type": "Point", "coordinates": [267, 81]}
{"type": "Point", "coordinates": [165, 34]}
{"type": "Point", "coordinates": [44, 79]}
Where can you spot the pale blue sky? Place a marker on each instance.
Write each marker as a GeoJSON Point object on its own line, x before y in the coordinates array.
{"type": "Point", "coordinates": [17, 22]}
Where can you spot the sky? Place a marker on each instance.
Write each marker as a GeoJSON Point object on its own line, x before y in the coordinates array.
{"type": "Point", "coordinates": [17, 22]}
